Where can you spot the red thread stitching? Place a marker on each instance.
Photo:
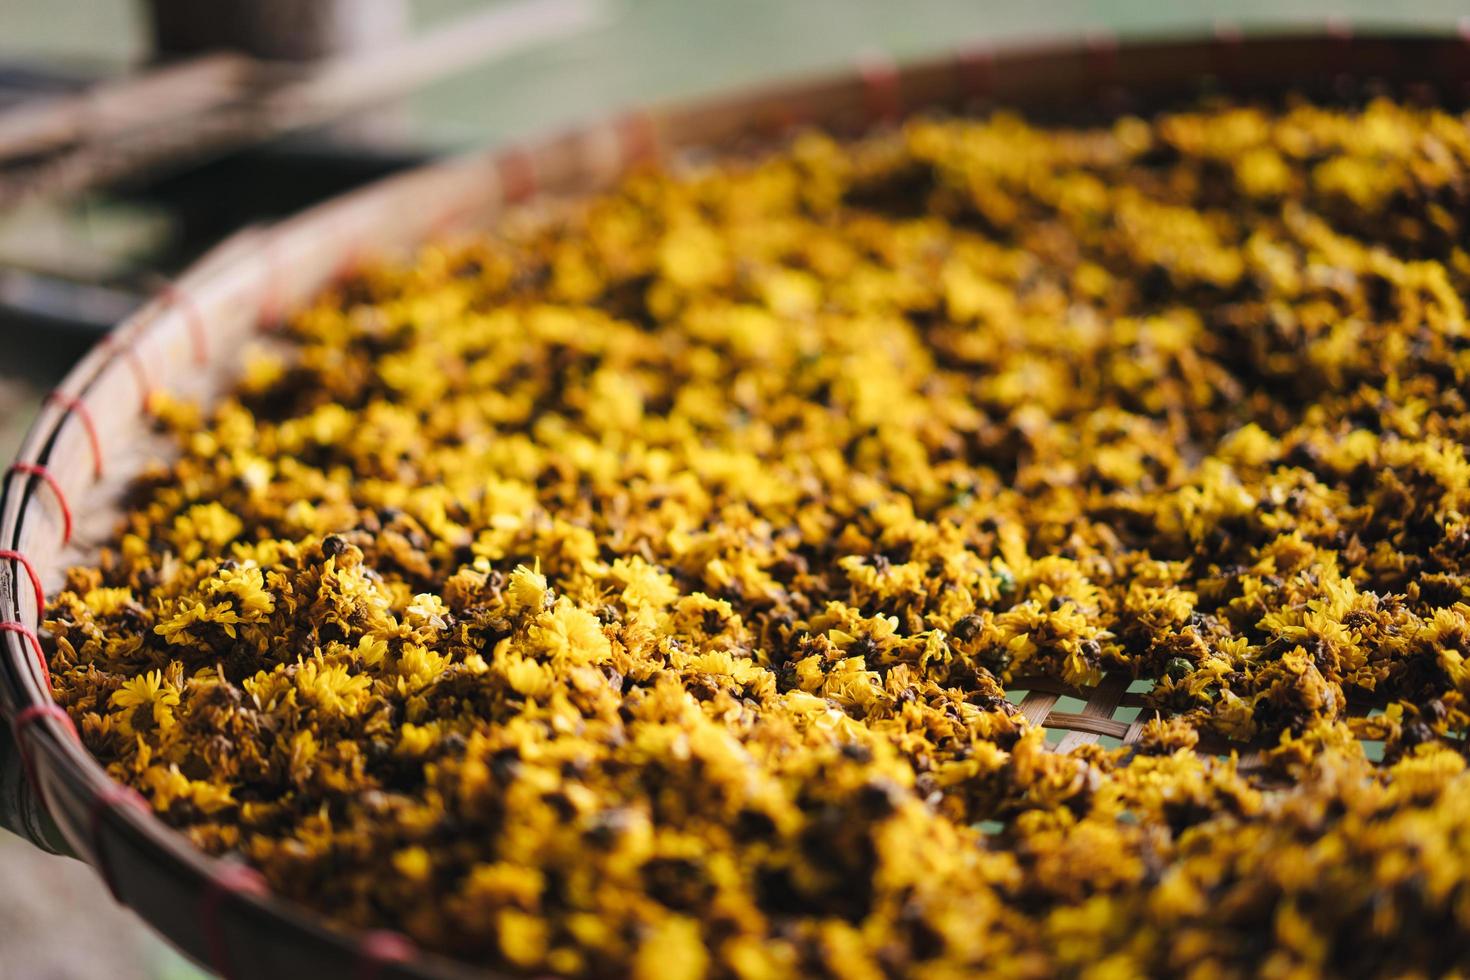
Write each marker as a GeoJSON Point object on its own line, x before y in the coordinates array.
{"type": "Point", "coordinates": [881, 87]}
{"type": "Point", "coordinates": [976, 65]}
{"type": "Point", "coordinates": [30, 634]}
{"type": "Point", "coordinates": [270, 314]}
{"type": "Point", "coordinates": [22, 724]}
{"type": "Point", "coordinates": [230, 880]}
{"type": "Point", "coordinates": [140, 375]}
{"type": "Point", "coordinates": [175, 297]}
{"type": "Point", "coordinates": [78, 407]}
{"type": "Point", "coordinates": [352, 254]}
{"type": "Point", "coordinates": [1462, 55]}
{"type": "Point", "coordinates": [1340, 30]}
{"type": "Point", "coordinates": [32, 469]}
{"type": "Point", "coordinates": [1228, 38]}
{"type": "Point", "coordinates": [638, 140]}
{"type": "Point", "coordinates": [129, 352]}
{"type": "Point", "coordinates": [454, 215]}
{"type": "Point", "coordinates": [379, 948]}
{"type": "Point", "coordinates": [111, 798]}
{"type": "Point", "coordinates": [1102, 59]}
{"type": "Point", "coordinates": [25, 563]}
{"type": "Point", "coordinates": [517, 172]}
{"type": "Point", "coordinates": [29, 715]}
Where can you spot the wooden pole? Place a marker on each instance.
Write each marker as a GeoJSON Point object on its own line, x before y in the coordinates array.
{"type": "Point", "coordinates": [276, 30]}
{"type": "Point", "coordinates": [283, 98]}
{"type": "Point", "coordinates": [113, 107]}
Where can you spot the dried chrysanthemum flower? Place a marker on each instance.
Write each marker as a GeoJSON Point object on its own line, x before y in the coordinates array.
{"type": "Point", "coordinates": [637, 593]}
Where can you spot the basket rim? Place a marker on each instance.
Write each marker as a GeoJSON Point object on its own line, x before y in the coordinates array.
{"type": "Point", "coordinates": [268, 268]}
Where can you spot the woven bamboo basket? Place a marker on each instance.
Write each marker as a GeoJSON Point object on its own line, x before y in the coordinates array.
{"type": "Point", "coordinates": [60, 499]}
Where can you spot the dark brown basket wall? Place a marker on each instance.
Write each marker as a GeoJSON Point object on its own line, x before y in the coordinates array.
{"type": "Point", "coordinates": [91, 439]}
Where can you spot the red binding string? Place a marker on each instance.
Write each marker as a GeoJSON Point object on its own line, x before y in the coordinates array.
{"type": "Point", "coordinates": [638, 140]}
{"type": "Point", "coordinates": [114, 797]}
{"type": "Point", "coordinates": [380, 947]}
{"type": "Point", "coordinates": [175, 297]}
{"type": "Point", "coordinates": [1228, 32]}
{"type": "Point", "coordinates": [32, 469]}
{"type": "Point", "coordinates": [976, 67]}
{"type": "Point", "coordinates": [140, 375]}
{"type": "Point", "coordinates": [23, 630]}
{"type": "Point", "coordinates": [1102, 61]}
{"type": "Point", "coordinates": [25, 563]}
{"type": "Point", "coordinates": [21, 727]}
{"type": "Point", "coordinates": [882, 93]}
{"type": "Point", "coordinates": [352, 254]}
{"type": "Point", "coordinates": [517, 171]}
{"type": "Point", "coordinates": [76, 406]}
{"type": "Point", "coordinates": [455, 215]}
{"type": "Point", "coordinates": [1460, 54]}
{"type": "Point", "coordinates": [785, 119]}
{"type": "Point", "coordinates": [229, 880]}
{"type": "Point", "coordinates": [27, 717]}
{"type": "Point", "coordinates": [271, 310]}
{"type": "Point", "coordinates": [1340, 30]}
{"type": "Point", "coordinates": [129, 353]}
{"type": "Point", "coordinates": [1228, 39]}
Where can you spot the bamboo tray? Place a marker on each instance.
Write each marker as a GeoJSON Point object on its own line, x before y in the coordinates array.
{"type": "Point", "coordinates": [59, 500]}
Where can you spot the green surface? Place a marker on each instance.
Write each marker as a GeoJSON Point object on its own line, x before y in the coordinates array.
{"type": "Point", "coordinates": [657, 50]}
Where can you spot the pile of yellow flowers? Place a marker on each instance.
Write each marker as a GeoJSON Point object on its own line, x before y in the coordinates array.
{"type": "Point", "coordinates": [635, 592]}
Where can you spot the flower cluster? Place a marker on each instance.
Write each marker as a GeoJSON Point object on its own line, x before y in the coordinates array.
{"type": "Point", "coordinates": [636, 591]}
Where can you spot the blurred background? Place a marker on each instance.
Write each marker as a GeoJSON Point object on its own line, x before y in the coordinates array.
{"type": "Point", "coordinates": [136, 133]}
